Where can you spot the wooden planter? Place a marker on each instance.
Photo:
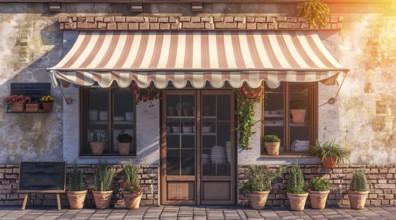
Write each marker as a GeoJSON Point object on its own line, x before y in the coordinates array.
{"type": "Point", "coordinates": [318, 199]}
{"type": "Point", "coordinates": [47, 106]}
{"type": "Point", "coordinates": [132, 202]}
{"type": "Point", "coordinates": [298, 115]}
{"type": "Point", "coordinates": [97, 148]}
{"type": "Point", "coordinates": [272, 148]}
{"type": "Point", "coordinates": [297, 201]}
{"type": "Point", "coordinates": [258, 199]}
{"type": "Point", "coordinates": [17, 106]}
{"type": "Point", "coordinates": [102, 199]}
{"type": "Point", "coordinates": [124, 148]}
{"type": "Point", "coordinates": [329, 162]}
{"type": "Point", "coordinates": [76, 199]}
{"type": "Point", "coordinates": [357, 199]}
{"type": "Point", "coordinates": [31, 107]}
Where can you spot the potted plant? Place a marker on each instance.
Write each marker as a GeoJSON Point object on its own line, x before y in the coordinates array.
{"type": "Point", "coordinates": [32, 106]}
{"type": "Point", "coordinates": [319, 189]}
{"type": "Point", "coordinates": [47, 102]}
{"type": "Point", "coordinates": [124, 144]}
{"type": "Point", "coordinates": [171, 110]}
{"type": "Point", "coordinates": [186, 108]}
{"type": "Point", "coordinates": [358, 190]}
{"type": "Point", "coordinates": [97, 142]}
{"type": "Point", "coordinates": [271, 144]}
{"type": "Point", "coordinates": [132, 190]}
{"type": "Point", "coordinates": [298, 111]}
{"type": "Point", "coordinates": [75, 188]}
{"type": "Point", "coordinates": [179, 108]}
{"type": "Point", "coordinates": [330, 154]}
{"type": "Point", "coordinates": [101, 189]}
{"type": "Point", "coordinates": [259, 183]}
{"type": "Point", "coordinates": [16, 102]}
{"type": "Point", "coordinates": [296, 190]}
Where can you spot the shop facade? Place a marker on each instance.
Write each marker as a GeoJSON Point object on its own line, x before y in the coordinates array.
{"type": "Point", "coordinates": [181, 147]}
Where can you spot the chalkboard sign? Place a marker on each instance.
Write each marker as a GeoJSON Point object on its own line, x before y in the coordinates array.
{"type": "Point", "coordinates": [45, 177]}
{"type": "Point", "coordinates": [33, 90]}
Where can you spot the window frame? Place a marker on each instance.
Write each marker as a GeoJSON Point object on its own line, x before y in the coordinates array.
{"type": "Point", "coordinates": [313, 123]}
{"type": "Point", "coordinates": [83, 121]}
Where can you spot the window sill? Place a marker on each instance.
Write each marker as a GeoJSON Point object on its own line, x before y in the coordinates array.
{"type": "Point", "coordinates": [286, 156]}
{"type": "Point", "coordinates": [107, 157]}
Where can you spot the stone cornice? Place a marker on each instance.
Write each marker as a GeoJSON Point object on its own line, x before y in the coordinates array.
{"type": "Point", "coordinates": [124, 23]}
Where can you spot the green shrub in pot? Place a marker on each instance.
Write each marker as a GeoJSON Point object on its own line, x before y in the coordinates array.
{"type": "Point", "coordinates": [358, 189]}
{"type": "Point", "coordinates": [319, 189]}
{"type": "Point", "coordinates": [330, 153]}
{"type": "Point", "coordinates": [272, 144]}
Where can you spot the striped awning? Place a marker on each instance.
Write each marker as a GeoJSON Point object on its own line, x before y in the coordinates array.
{"type": "Point", "coordinates": [196, 57]}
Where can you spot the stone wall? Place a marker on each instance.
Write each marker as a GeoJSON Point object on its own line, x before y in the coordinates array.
{"type": "Point", "coordinates": [9, 186]}
{"type": "Point", "coordinates": [381, 179]}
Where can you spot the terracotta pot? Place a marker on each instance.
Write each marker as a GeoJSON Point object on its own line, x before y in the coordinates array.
{"type": "Point", "coordinates": [329, 162]}
{"type": "Point", "coordinates": [76, 199]}
{"type": "Point", "coordinates": [124, 148]}
{"type": "Point", "coordinates": [132, 202]}
{"type": "Point", "coordinates": [298, 115]}
{"type": "Point", "coordinates": [47, 106]}
{"type": "Point", "coordinates": [258, 199]}
{"type": "Point", "coordinates": [272, 148]}
{"type": "Point", "coordinates": [31, 107]}
{"type": "Point", "coordinates": [318, 199]}
{"type": "Point", "coordinates": [17, 107]}
{"type": "Point", "coordinates": [102, 199]}
{"type": "Point", "coordinates": [357, 199]}
{"type": "Point", "coordinates": [297, 201]}
{"type": "Point", "coordinates": [97, 148]}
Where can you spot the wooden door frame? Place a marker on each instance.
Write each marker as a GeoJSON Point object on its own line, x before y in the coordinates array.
{"type": "Point", "coordinates": [198, 148]}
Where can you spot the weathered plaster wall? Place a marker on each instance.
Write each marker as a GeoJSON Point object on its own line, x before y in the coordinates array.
{"type": "Point", "coordinates": [29, 42]}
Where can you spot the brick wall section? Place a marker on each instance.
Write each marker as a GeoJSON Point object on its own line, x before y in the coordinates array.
{"type": "Point", "coordinates": [381, 179]}
{"type": "Point", "coordinates": [123, 23]}
{"type": "Point", "coordinates": [10, 196]}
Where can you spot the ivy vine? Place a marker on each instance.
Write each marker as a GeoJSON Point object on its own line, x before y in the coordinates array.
{"type": "Point", "coordinates": [246, 98]}
{"type": "Point", "coordinates": [316, 13]}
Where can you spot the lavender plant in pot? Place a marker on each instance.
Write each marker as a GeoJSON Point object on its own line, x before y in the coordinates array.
{"type": "Point", "coordinates": [296, 190]}
{"type": "Point", "coordinates": [102, 185]}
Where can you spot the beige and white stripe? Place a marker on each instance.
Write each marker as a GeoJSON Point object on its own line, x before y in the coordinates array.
{"type": "Point", "coordinates": [199, 56]}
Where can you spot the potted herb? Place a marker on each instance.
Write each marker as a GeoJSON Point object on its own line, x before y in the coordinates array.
{"type": "Point", "coordinates": [47, 102]}
{"type": "Point", "coordinates": [319, 189]}
{"type": "Point", "coordinates": [16, 102]}
{"type": "Point", "coordinates": [102, 184]}
{"type": "Point", "coordinates": [271, 144]}
{"type": "Point", "coordinates": [75, 188]}
{"type": "Point", "coordinates": [330, 154]}
{"type": "Point", "coordinates": [132, 190]}
{"type": "Point", "coordinates": [97, 142]}
{"type": "Point", "coordinates": [124, 144]}
{"type": "Point", "coordinates": [358, 190]}
{"type": "Point", "coordinates": [298, 111]}
{"type": "Point", "coordinates": [259, 183]}
{"type": "Point", "coordinates": [296, 190]}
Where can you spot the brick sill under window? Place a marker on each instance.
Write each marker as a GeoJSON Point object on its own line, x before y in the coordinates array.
{"type": "Point", "coordinates": [288, 156]}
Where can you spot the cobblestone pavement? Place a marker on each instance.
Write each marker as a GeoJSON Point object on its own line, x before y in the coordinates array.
{"type": "Point", "coordinates": [197, 212]}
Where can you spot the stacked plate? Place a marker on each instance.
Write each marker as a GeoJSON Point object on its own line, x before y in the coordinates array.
{"type": "Point", "coordinates": [217, 155]}
{"type": "Point", "coordinates": [206, 129]}
{"type": "Point", "coordinates": [175, 129]}
{"type": "Point", "coordinates": [228, 151]}
{"type": "Point", "coordinates": [93, 115]}
{"type": "Point", "coordinates": [187, 129]}
{"type": "Point", "coordinates": [119, 118]}
{"type": "Point", "coordinates": [116, 132]}
{"type": "Point", "coordinates": [129, 116]}
{"type": "Point", "coordinates": [205, 159]}
{"type": "Point", "coordinates": [103, 115]}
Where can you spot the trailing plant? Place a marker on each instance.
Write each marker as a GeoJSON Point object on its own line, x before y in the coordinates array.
{"type": "Point", "coordinates": [271, 138]}
{"type": "Point", "coordinates": [329, 149]}
{"type": "Point", "coordinates": [359, 181]}
{"type": "Point", "coordinates": [146, 94]}
{"type": "Point", "coordinates": [319, 184]}
{"type": "Point", "coordinates": [131, 173]}
{"type": "Point", "coordinates": [297, 104]}
{"type": "Point", "coordinates": [245, 117]}
{"type": "Point", "coordinates": [75, 179]}
{"type": "Point", "coordinates": [124, 138]}
{"type": "Point", "coordinates": [316, 13]}
{"type": "Point", "coordinates": [103, 177]}
{"type": "Point", "coordinates": [261, 177]}
{"type": "Point", "coordinates": [296, 180]}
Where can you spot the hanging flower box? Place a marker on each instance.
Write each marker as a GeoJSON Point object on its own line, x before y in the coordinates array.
{"type": "Point", "coordinates": [16, 102]}
{"type": "Point", "coordinates": [32, 107]}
